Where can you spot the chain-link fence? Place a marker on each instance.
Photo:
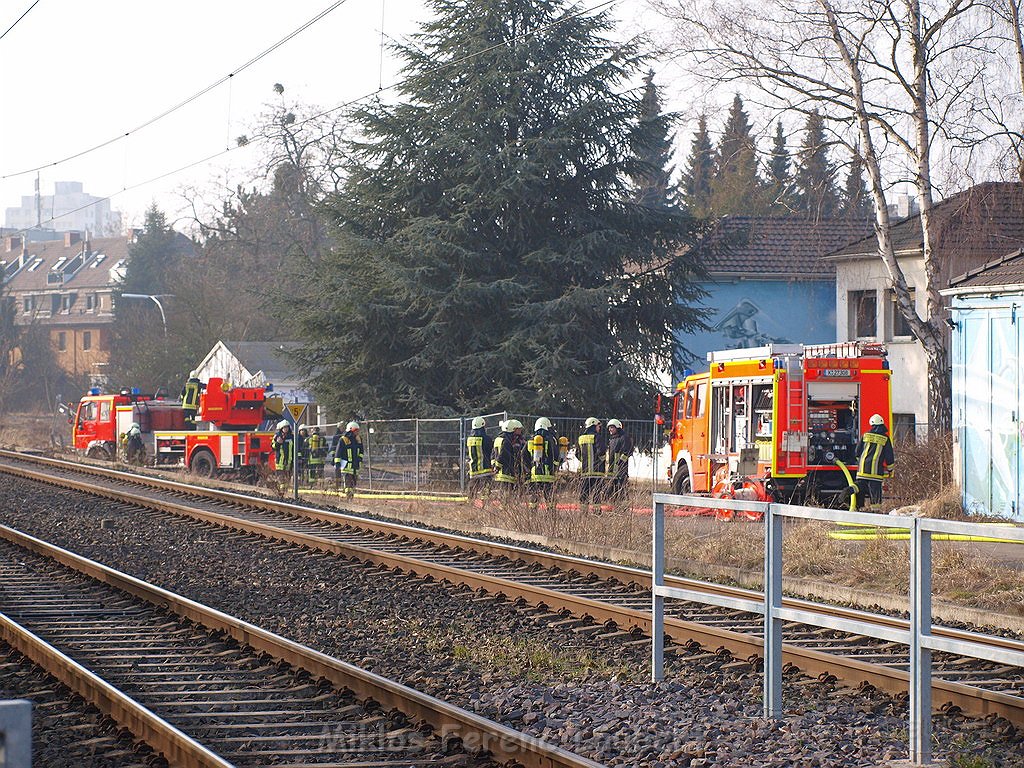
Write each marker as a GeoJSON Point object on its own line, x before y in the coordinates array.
{"type": "Point", "coordinates": [430, 454]}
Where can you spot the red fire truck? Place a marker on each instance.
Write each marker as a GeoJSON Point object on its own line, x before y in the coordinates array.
{"type": "Point", "coordinates": [225, 438]}
{"type": "Point", "coordinates": [777, 421]}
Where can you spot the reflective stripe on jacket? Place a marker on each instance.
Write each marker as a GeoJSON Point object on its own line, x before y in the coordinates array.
{"type": "Point", "coordinates": [876, 456]}
{"type": "Point", "coordinates": [350, 448]}
{"type": "Point", "coordinates": [478, 453]}
{"type": "Point", "coordinates": [543, 471]}
{"type": "Point", "coordinates": [503, 459]}
{"type": "Point", "coordinates": [589, 455]}
{"type": "Point", "coordinates": [190, 394]}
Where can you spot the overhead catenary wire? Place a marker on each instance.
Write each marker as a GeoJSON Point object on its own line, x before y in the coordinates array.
{"type": "Point", "coordinates": [23, 15]}
{"type": "Point", "coordinates": [183, 103]}
{"type": "Point", "coordinates": [351, 102]}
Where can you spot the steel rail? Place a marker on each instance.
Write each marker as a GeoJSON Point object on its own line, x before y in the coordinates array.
{"type": "Point", "coordinates": [177, 747]}
{"type": "Point", "coordinates": [475, 732]}
{"type": "Point", "coordinates": [970, 699]}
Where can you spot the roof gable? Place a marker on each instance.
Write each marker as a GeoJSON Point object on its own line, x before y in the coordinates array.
{"type": "Point", "coordinates": [1007, 270]}
{"type": "Point", "coordinates": [775, 246]}
{"type": "Point", "coordinates": [270, 357]}
{"type": "Point", "coordinates": [980, 223]}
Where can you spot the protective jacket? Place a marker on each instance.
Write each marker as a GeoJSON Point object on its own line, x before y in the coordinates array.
{"type": "Point", "coordinates": [507, 458]}
{"type": "Point", "coordinates": [190, 394]}
{"type": "Point", "coordinates": [620, 448]}
{"type": "Point", "coordinates": [875, 454]}
{"type": "Point", "coordinates": [478, 452]}
{"type": "Point", "coordinates": [350, 450]}
{"type": "Point", "coordinates": [590, 452]}
{"type": "Point", "coordinates": [284, 447]}
{"type": "Point", "coordinates": [543, 460]}
{"type": "Point", "coordinates": [317, 449]}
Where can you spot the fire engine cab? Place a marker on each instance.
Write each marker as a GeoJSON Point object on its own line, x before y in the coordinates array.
{"type": "Point", "coordinates": [777, 421]}
{"type": "Point", "coordinates": [225, 437]}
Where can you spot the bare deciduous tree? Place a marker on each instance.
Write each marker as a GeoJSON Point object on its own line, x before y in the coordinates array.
{"type": "Point", "coordinates": [899, 81]}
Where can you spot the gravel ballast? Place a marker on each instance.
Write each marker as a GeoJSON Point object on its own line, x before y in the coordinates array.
{"type": "Point", "coordinates": [506, 662]}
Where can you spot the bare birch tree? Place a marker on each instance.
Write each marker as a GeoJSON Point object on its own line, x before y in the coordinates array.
{"type": "Point", "coordinates": [899, 81]}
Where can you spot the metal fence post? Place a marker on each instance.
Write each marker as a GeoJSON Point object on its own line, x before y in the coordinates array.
{"type": "Point", "coordinates": [657, 601]}
{"type": "Point", "coordinates": [369, 466]}
{"type": "Point", "coordinates": [417, 441]}
{"type": "Point", "coordinates": [772, 623]}
{"type": "Point", "coordinates": [16, 725]}
{"type": "Point", "coordinates": [462, 454]}
{"type": "Point", "coordinates": [920, 656]}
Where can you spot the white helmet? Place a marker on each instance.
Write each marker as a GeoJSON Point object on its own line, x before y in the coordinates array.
{"type": "Point", "coordinates": [194, 374]}
{"type": "Point", "coordinates": [135, 425]}
{"type": "Point", "coordinates": [591, 422]}
{"type": "Point", "coordinates": [615, 423]}
{"type": "Point", "coordinates": [479, 422]}
{"type": "Point", "coordinates": [352, 426]}
{"type": "Point", "coordinates": [542, 423]}
{"type": "Point", "coordinates": [512, 425]}
{"type": "Point", "coordinates": [283, 423]}
{"type": "Point", "coordinates": [876, 420]}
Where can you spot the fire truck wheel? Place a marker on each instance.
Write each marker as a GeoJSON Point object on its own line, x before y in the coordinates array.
{"type": "Point", "coordinates": [202, 464]}
{"type": "Point", "coordinates": [681, 481]}
{"type": "Point", "coordinates": [98, 453]}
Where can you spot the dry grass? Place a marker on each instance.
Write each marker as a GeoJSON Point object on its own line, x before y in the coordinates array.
{"type": "Point", "coordinates": [921, 468]}
{"type": "Point", "coordinates": [31, 430]}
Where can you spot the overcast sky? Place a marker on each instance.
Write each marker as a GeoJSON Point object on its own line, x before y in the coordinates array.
{"type": "Point", "coordinates": [77, 74]}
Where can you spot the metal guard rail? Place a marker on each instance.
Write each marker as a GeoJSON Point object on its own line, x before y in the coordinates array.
{"type": "Point", "coordinates": [918, 637]}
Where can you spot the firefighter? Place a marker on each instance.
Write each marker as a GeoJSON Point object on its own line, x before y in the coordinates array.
{"type": "Point", "coordinates": [348, 457]}
{"type": "Point", "coordinates": [284, 447]}
{"type": "Point", "coordinates": [620, 449]}
{"type": "Point", "coordinates": [508, 457]}
{"type": "Point", "coordinates": [590, 448]}
{"type": "Point", "coordinates": [317, 452]}
{"type": "Point", "coordinates": [190, 397]}
{"type": "Point", "coordinates": [875, 460]}
{"type": "Point", "coordinates": [544, 459]}
{"type": "Point", "coordinates": [478, 456]}
{"type": "Point", "coordinates": [134, 448]}
{"type": "Point", "coordinates": [302, 451]}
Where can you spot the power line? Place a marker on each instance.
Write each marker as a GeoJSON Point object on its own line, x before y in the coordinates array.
{"type": "Point", "coordinates": [185, 102]}
{"type": "Point", "coordinates": [19, 19]}
{"type": "Point", "coordinates": [351, 102]}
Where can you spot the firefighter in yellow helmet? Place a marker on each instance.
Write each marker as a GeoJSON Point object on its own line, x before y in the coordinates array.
{"type": "Point", "coordinates": [544, 459]}
{"type": "Point", "coordinates": [875, 460]}
{"type": "Point", "coordinates": [478, 459]}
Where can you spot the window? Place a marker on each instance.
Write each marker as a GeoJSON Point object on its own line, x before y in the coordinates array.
{"type": "Point", "coordinates": [904, 427]}
{"type": "Point", "coordinates": [898, 324]}
{"type": "Point", "coordinates": [29, 303]}
{"type": "Point", "coordinates": [863, 314]}
{"type": "Point", "coordinates": [62, 341]}
{"type": "Point", "coordinates": [702, 390]}
{"type": "Point", "coordinates": [90, 302]}
{"type": "Point", "coordinates": [66, 301]}
{"type": "Point", "coordinates": [86, 339]}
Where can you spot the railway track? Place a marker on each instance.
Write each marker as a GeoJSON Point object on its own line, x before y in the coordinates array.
{"type": "Point", "coordinates": [605, 599]}
{"type": "Point", "coordinates": [206, 689]}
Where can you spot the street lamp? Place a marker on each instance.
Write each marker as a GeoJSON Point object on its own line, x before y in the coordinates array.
{"type": "Point", "coordinates": [156, 300]}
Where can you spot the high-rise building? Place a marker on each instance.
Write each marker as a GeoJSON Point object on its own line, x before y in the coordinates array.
{"type": "Point", "coordinates": [69, 208]}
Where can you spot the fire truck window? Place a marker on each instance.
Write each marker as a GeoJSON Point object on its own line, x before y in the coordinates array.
{"type": "Point", "coordinates": [688, 408]}
{"type": "Point", "coordinates": [702, 391]}
{"type": "Point", "coordinates": [105, 410]}
{"type": "Point", "coordinates": [87, 413]}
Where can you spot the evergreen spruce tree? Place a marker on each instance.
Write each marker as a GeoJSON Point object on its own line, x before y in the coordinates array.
{"type": "Point", "coordinates": [700, 170]}
{"type": "Point", "coordinates": [736, 187]}
{"type": "Point", "coordinates": [815, 177]}
{"type": "Point", "coordinates": [653, 188]}
{"type": "Point", "coordinates": [491, 252]}
{"type": "Point", "coordinates": [856, 198]}
{"type": "Point", "coordinates": [780, 178]}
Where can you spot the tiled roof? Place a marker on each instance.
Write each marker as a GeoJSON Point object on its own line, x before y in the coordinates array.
{"type": "Point", "coordinates": [983, 222]}
{"type": "Point", "coordinates": [1007, 270]}
{"type": "Point", "coordinates": [776, 246]}
{"type": "Point", "coordinates": [267, 356]}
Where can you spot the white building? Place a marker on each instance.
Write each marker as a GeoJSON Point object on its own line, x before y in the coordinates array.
{"type": "Point", "coordinates": [69, 208]}
{"type": "Point", "coordinates": [973, 227]}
